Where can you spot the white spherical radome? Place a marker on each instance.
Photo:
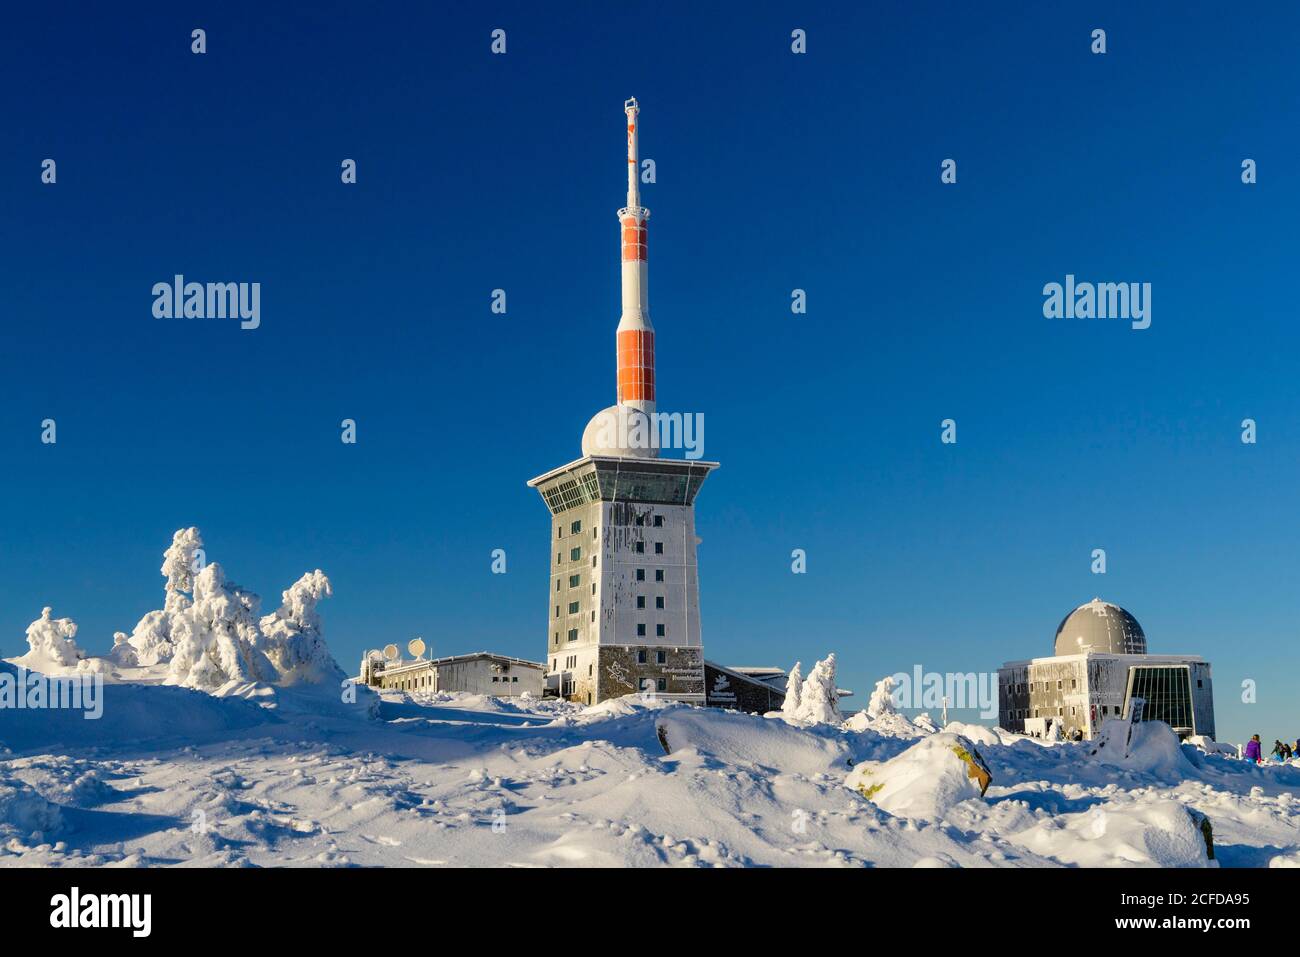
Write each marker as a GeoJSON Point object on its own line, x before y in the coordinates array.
{"type": "Point", "coordinates": [620, 431]}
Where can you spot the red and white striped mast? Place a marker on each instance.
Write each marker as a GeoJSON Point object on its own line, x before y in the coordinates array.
{"type": "Point", "coordinates": [636, 335]}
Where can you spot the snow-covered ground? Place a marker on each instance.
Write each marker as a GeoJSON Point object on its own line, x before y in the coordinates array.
{"type": "Point", "coordinates": [221, 736]}
{"type": "Point", "coordinates": [174, 776]}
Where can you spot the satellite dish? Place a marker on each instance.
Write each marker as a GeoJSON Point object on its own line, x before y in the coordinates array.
{"type": "Point", "coordinates": [374, 654]}
{"type": "Point", "coordinates": [390, 652]}
{"type": "Point", "coordinates": [416, 647]}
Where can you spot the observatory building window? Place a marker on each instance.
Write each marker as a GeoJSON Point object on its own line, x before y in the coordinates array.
{"type": "Point", "coordinates": [640, 630]}
{"type": "Point", "coordinates": [659, 574]}
{"type": "Point", "coordinates": [659, 601]}
{"type": "Point", "coordinates": [640, 601]}
{"type": "Point", "coordinates": [659, 630]}
{"type": "Point", "coordinates": [640, 574]}
{"type": "Point", "coordinates": [659, 548]}
{"type": "Point", "coordinates": [1167, 692]}
{"type": "Point", "coordinates": [638, 547]}
{"type": "Point", "coordinates": [659, 521]}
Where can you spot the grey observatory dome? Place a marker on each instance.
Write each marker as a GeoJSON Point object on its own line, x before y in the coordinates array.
{"type": "Point", "coordinates": [1101, 627]}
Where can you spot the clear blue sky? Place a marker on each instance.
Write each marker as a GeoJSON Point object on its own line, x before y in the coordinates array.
{"type": "Point", "coordinates": [775, 171]}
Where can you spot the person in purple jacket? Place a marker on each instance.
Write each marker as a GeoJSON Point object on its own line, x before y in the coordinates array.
{"type": "Point", "coordinates": [1253, 749]}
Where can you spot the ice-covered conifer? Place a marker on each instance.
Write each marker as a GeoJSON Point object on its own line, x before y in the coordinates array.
{"type": "Point", "coordinates": [819, 701]}
{"type": "Point", "coordinates": [793, 690]}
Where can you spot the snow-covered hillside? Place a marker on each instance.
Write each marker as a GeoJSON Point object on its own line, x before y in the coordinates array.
{"type": "Point", "coordinates": [220, 736]}
{"type": "Point", "coordinates": [175, 776]}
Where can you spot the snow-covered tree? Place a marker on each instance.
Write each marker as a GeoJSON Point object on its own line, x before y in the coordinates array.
{"type": "Point", "coordinates": [52, 640]}
{"type": "Point", "coordinates": [819, 700]}
{"type": "Point", "coordinates": [793, 691]}
{"type": "Point", "coordinates": [882, 699]}
{"type": "Point", "coordinates": [209, 633]}
{"type": "Point", "coordinates": [217, 640]}
{"type": "Point", "coordinates": [152, 640]}
{"type": "Point", "coordinates": [295, 644]}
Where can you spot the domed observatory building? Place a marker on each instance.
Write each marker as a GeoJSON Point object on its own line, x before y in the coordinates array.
{"type": "Point", "coordinates": [1099, 665]}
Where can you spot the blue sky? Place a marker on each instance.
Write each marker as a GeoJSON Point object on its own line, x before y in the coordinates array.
{"type": "Point", "coordinates": [775, 171]}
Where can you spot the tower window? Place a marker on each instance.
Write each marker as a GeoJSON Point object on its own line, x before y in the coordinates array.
{"type": "Point", "coordinates": [659, 601]}
{"type": "Point", "coordinates": [640, 601]}
{"type": "Point", "coordinates": [575, 554]}
{"type": "Point", "coordinates": [659, 521]}
{"type": "Point", "coordinates": [640, 657]}
{"type": "Point", "coordinates": [557, 611]}
{"type": "Point", "coordinates": [573, 634]}
{"type": "Point", "coordinates": [573, 608]}
{"type": "Point", "coordinates": [659, 574]}
{"type": "Point", "coordinates": [661, 684]}
{"type": "Point", "coordinates": [638, 547]}
{"type": "Point", "coordinates": [660, 630]}
{"type": "Point", "coordinates": [575, 528]}
{"type": "Point", "coordinates": [640, 630]}
{"type": "Point", "coordinates": [661, 657]}
{"type": "Point", "coordinates": [659, 548]}
{"type": "Point", "coordinates": [640, 574]}
{"type": "Point", "coordinates": [575, 581]}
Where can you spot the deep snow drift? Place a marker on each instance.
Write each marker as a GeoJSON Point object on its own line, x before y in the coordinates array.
{"type": "Point", "coordinates": [174, 776]}
{"type": "Point", "coordinates": [227, 737]}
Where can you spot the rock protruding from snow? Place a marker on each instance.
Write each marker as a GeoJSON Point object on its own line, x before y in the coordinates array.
{"type": "Point", "coordinates": [295, 644]}
{"type": "Point", "coordinates": [52, 642]}
{"type": "Point", "coordinates": [793, 692]}
{"type": "Point", "coordinates": [927, 780]}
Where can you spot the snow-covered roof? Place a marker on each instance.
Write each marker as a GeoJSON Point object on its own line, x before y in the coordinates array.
{"type": "Point", "coordinates": [1135, 659]}
{"type": "Point", "coordinates": [418, 663]}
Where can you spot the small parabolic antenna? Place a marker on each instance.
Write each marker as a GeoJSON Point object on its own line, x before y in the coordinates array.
{"type": "Point", "coordinates": [416, 647]}
{"type": "Point", "coordinates": [390, 652]}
